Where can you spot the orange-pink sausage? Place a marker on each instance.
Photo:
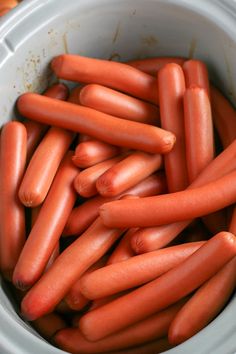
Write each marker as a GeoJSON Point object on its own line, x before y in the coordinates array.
{"type": "Point", "coordinates": [151, 66]}
{"type": "Point", "coordinates": [118, 104]}
{"type": "Point", "coordinates": [171, 86]}
{"type": "Point", "coordinates": [13, 144]}
{"type": "Point", "coordinates": [48, 226]}
{"type": "Point", "coordinates": [127, 173]}
{"type": "Point", "coordinates": [57, 91]}
{"type": "Point", "coordinates": [199, 136]}
{"type": "Point", "coordinates": [43, 166]}
{"type": "Point", "coordinates": [204, 305]}
{"type": "Point", "coordinates": [161, 292]}
{"type": "Point", "coordinates": [90, 153]}
{"type": "Point", "coordinates": [35, 130]}
{"type": "Point", "coordinates": [74, 298]}
{"type": "Point", "coordinates": [195, 72]}
{"type": "Point", "coordinates": [108, 73]}
{"type": "Point", "coordinates": [123, 250]}
{"type": "Point", "coordinates": [224, 116]}
{"type": "Point", "coordinates": [56, 251]}
{"type": "Point", "coordinates": [112, 130]}
{"type": "Point", "coordinates": [184, 205]}
{"type": "Point", "coordinates": [85, 181]}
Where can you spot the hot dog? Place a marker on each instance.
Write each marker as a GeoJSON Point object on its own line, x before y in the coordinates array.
{"type": "Point", "coordinates": [12, 214]}
{"type": "Point", "coordinates": [113, 130]}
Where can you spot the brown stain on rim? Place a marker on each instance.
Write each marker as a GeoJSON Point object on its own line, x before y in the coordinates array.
{"type": "Point", "coordinates": [150, 41]}
{"type": "Point", "coordinates": [117, 32]}
{"type": "Point", "coordinates": [65, 43]}
{"type": "Point", "coordinates": [114, 57]}
{"type": "Point", "coordinates": [230, 78]}
{"type": "Point", "coordinates": [192, 48]}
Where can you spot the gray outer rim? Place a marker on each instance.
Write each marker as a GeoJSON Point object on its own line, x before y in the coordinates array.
{"type": "Point", "coordinates": [219, 336]}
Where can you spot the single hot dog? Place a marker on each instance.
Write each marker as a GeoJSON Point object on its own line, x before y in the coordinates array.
{"type": "Point", "coordinates": [134, 271]}
{"type": "Point", "coordinates": [108, 73]}
{"type": "Point", "coordinates": [43, 166]}
{"type": "Point", "coordinates": [204, 305]}
{"type": "Point", "coordinates": [35, 130]}
{"type": "Point", "coordinates": [113, 102]}
{"type": "Point", "coordinates": [90, 153]}
{"type": "Point", "coordinates": [127, 173]}
{"type": "Point", "coordinates": [48, 226]}
{"type": "Point", "coordinates": [171, 86]}
{"type": "Point", "coordinates": [224, 116]}
{"type": "Point", "coordinates": [196, 74]}
{"type": "Point", "coordinates": [56, 251]}
{"type": "Point", "coordinates": [151, 66]}
{"type": "Point", "coordinates": [12, 214]}
{"type": "Point", "coordinates": [85, 182]}
{"type": "Point", "coordinates": [184, 205]}
{"type": "Point", "coordinates": [113, 130]}
{"type": "Point", "coordinates": [199, 135]}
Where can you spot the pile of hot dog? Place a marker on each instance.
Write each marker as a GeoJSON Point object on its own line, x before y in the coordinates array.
{"type": "Point", "coordinates": [129, 181]}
